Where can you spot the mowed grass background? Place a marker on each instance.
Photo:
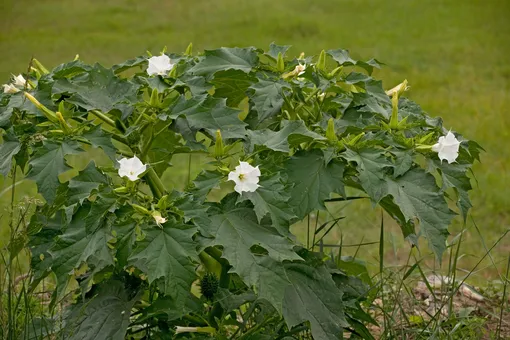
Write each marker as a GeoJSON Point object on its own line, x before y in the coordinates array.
{"type": "Point", "coordinates": [454, 53]}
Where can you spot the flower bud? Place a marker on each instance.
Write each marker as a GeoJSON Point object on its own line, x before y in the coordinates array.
{"type": "Point", "coordinates": [334, 72]}
{"type": "Point", "coordinates": [50, 115]}
{"type": "Point", "coordinates": [154, 101]}
{"type": "Point", "coordinates": [219, 148]}
{"type": "Point", "coordinates": [141, 210]}
{"type": "Point", "coordinates": [121, 190]}
{"type": "Point", "coordinates": [330, 131]}
{"type": "Point", "coordinates": [280, 64]}
{"type": "Point", "coordinates": [189, 50]}
{"type": "Point", "coordinates": [321, 64]}
{"type": "Point", "coordinates": [40, 67]}
{"type": "Point", "coordinates": [179, 329]}
{"type": "Point", "coordinates": [63, 123]}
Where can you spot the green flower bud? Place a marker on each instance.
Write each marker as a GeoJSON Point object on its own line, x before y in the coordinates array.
{"type": "Point", "coordinates": [63, 123]}
{"type": "Point", "coordinates": [154, 101]}
{"type": "Point", "coordinates": [141, 210]}
{"type": "Point", "coordinates": [334, 72]}
{"type": "Point", "coordinates": [40, 67]}
{"type": "Point", "coordinates": [321, 64]}
{"type": "Point", "coordinates": [219, 148]}
{"type": "Point", "coordinates": [189, 50]}
{"type": "Point", "coordinates": [50, 115]}
{"type": "Point", "coordinates": [121, 190]}
{"type": "Point", "coordinates": [280, 64]}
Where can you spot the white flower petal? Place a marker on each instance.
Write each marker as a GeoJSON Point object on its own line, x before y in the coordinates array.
{"type": "Point", "coordinates": [245, 176]}
{"type": "Point", "coordinates": [131, 168]}
{"type": "Point", "coordinates": [19, 80]}
{"type": "Point", "coordinates": [159, 65]}
{"type": "Point", "coordinates": [10, 88]}
{"type": "Point", "coordinates": [447, 147]}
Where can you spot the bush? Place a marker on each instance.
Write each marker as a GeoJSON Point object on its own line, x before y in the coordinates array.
{"type": "Point", "coordinates": [131, 258]}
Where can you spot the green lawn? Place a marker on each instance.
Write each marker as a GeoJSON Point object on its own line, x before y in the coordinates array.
{"type": "Point", "coordinates": [454, 53]}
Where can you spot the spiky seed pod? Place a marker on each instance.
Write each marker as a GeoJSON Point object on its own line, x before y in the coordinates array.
{"type": "Point", "coordinates": [209, 285]}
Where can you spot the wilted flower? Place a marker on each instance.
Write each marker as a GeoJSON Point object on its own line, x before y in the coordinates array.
{"type": "Point", "coordinates": [447, 147]}
{"type": "Point", "coordinates": [10, 88]}
{"type": "Point", "coordinates": [300, 69]}
{"type": "Point", "coordinates": [158, 218]}
{"type": "Point", "coordinates": [19, 80]}
{"type": "Point", "coordinates": [246, 177]}
{"type": "Point", "coordinates": [160, 65]}
{"type": "Point", "coordinates": [131, 168]}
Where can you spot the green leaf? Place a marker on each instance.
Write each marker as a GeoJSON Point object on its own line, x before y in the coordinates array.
{"type": "Point", "coordinates": [8, 149]}
{"type": "Point", "coordinates": [237, 230]}
{"type": "Point", "coordinates": [266, 98]}
{"type": "Point", "coordinates": [271, 198]}
{"type": "Point", "coordinates": [342, 57]}
{"type": "Point", "coordinates": [275, 49]}
{"type": "Point", "coordinates": [406, 225]}
{"type": "Point", "coordinates": [81, 186]}
{"type": "Point", "coordinates": [371, 164]}
{"type": "Point", "coordinates": [418, 196]}
{"type": "Point", "coordinates": [167, 255]}
{"type": "Point", "coordinates": [79, 244]}
{"type": "Point", "coordinates": [224, 58]}
{"type": "Point", "coordinates": [196, 84]}
{"type": "Point", "coordinates": [245, 243]}
{"type": "Point", "coordinates": [163, 147]}
{"type": "Point", "coordinates": [232, 85]}
{"type": "Point", "coordinates": [106, 315]}
{"type": "Point", "coordinates": [47, 164]}
{"type": "Point", "coordinates": [70, 69]}
{"type": "Point", "coordinates": [101, 139]}
{"type": "Point", "coordinates": [314, 297]}
{"type": "Point", "coordinates": [403, 162]}
{"type": "Point", "coordinates": [210, 114]}
{"type": "Point", "coordinates": [292, 133]}
{"type": "Point", "coordinates": [43, 233]}
{"type": "Point", "coordinates": [138, 61]}
{"type": "Point", "coordinates": [173, 309]}
{"type": "Point", "coordinates": [98, 89]}
{"type": "Point", "coordinates": [125, 233]}
{"type": "Point", "coordinates": [455, 176]}
{"type": "Point", "coordinates": [313, 181]}
{"type": "Point", "coordinates": [205, 182]}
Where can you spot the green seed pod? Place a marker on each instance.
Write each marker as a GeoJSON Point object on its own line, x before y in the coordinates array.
{"type": "Point", "coordinates": [209, 285]}
{"type": "Point", "coordinates": [330, 131]}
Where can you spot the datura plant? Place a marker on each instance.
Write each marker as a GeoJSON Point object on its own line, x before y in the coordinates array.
{"type": "Point", "coordinates": [279, 137]}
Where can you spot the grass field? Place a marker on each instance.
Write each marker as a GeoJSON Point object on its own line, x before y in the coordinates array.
{"type": "Point", "coordinates": [454, 53]}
